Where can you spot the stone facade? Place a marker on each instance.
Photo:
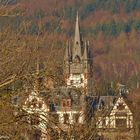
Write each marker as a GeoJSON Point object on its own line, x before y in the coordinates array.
{"type": "Point", "coordinates": [69, 107]}
{"type": "Point", "coordinates": [78, 63]}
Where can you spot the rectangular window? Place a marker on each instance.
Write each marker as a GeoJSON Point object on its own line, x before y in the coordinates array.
{"type": "Point", "coordinates": [104, 122]}
{"type": "Point", "coordinates": [76, 117]}
{"type": "Point", "coordinates": [66, 118]}
{"type": "Point", "coordinates": [120, 123]}
{"type": "Point", "coordinates": [69, 102]}
{"type": "Point", "coordinates": [55, 118]}
{"type": "Point", "coordinates": [34, 119]}
{"type": "Point", "coordinates": [66, 102]}
{"type": "Point", "coordinates": [71, 81]}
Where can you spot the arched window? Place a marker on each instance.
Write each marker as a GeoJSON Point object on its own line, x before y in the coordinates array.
{"type": "Point", "coordinates": [77, 59]}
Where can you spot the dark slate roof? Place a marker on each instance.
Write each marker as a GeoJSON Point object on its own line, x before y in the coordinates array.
{"type": "Point", "coordinates": [103, 104]}
{"type": "Point", "coordinates": [107, 101]}
{"type": "Point", "coordinates": [55, 96]}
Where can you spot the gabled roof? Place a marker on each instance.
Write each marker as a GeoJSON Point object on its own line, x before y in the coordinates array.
{"type": "Point", "coordinates": [34, 102]}
{"type": "Point", "coordinates": [121, 101]}
{"type": "Point", "coordinates": [107, 104]}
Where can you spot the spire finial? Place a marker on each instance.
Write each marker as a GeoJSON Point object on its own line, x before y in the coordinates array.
{"type": "Point", "coordinates": [77, 17]}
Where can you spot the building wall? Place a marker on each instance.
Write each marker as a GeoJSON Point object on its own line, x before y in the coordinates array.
{"type": "Point", "coordinates": [119, 117]}
{"type": "Point", "coordinates": [38, 111]}
{"type": "Point", "coordinates": [77, 63]}
{"type": "Point", "coordinates": [71, 119]}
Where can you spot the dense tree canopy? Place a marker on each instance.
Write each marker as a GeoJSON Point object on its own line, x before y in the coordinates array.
{"type": "Point", "coordinates": [112, 26]}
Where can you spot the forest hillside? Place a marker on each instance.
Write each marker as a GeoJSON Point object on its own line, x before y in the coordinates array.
{"type": "Point", "coordinates": [111, 26]}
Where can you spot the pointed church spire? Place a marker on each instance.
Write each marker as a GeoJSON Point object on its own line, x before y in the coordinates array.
{"type": "Point", "coordinates": [77, 39]}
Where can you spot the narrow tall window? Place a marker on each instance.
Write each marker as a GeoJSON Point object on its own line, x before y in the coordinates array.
{"type": "Point", "coordinates": [66, 118]}
{"type": "Point", "coordinates": [76, 117]}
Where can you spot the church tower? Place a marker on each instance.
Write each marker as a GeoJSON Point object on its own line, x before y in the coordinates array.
{"type": "Point", "coordinates": [78, 63]}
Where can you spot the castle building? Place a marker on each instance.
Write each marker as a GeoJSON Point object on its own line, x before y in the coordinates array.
{"type": "Point", "coordinates": [66, 108]}
{"type": "Point", "coordinates": [78, 63]}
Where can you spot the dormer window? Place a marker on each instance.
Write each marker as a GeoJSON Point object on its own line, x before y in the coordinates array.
{"type": "Point", "coordinates": [66, 102]}
{"type": "Point", "coordinates": [34, 102]}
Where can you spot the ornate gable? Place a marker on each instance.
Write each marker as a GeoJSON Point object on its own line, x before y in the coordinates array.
{"type": "Point", "coordinates": [120, 116]}
{"type": "Point", "coordinates": [120, 107]}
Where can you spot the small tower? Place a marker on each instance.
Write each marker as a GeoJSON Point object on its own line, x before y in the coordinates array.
{"type": "Point", "coordinates": [77, 62]}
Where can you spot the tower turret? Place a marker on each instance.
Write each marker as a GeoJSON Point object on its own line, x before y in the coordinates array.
{"type": "Point", "coordinates": [77, 65]}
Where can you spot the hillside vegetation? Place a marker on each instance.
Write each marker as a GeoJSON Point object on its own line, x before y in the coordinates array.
{"type": "Point", "coordinates": [112, 26]}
